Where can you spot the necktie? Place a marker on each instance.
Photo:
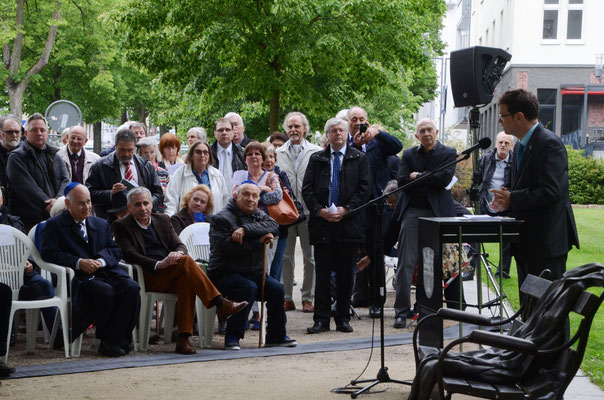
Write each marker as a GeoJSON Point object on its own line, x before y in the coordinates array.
{"type": "Point", "coordinates": [521, 148]}
{"type": "Point", "coordinates": [128, 175]}
{"type": "Point", "coordinates": [83, 230]}
{"type": "Point", "coordinates": [334, 188]}
{"type": "Point", "coordinates": [74, 158]}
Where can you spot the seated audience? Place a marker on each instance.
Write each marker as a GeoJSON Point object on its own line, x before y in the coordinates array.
{"type": "Point", "coordinates": [148, 239]}
{"type": "Point", "coordinates": [237, 237]}
{"type": "Point", "coordinates": [198, 170]}
{"type": "Point", "coordinates": [103, 293]}
{"type": "Point", "coordinates": [196, 206]}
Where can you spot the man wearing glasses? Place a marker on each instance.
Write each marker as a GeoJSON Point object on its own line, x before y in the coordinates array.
{"type": "Point", "coordinates": [539, 190]}
{"type": "Point", "coordinates": [227, 155]}
{"type": "Point", "coordinates": [10, 134]}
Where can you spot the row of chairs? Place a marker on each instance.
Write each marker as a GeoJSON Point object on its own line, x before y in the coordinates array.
{"type": "Point", "coordinates": [16, 248]}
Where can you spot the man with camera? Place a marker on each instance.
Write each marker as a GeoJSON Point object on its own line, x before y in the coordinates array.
{"type": "Point", "coordinates": [378, 145]}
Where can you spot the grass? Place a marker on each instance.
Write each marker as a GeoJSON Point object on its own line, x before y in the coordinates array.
{"type": "Point", "coordinates": [590, 225]}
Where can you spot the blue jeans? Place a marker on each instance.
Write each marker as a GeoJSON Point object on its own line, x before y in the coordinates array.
{"type": "Point", "coordinates": [277, 263]}
{"type": "Point", "coordinates": [238, 287]}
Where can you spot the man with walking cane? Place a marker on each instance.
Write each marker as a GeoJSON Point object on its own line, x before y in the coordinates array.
{"type": "Point", "coordinates": [238, 235]}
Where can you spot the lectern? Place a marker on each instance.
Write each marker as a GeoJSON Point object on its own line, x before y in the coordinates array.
{"type": "Point", "coordinates": [433, 233]}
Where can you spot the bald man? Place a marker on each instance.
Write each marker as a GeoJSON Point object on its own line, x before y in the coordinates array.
{"type": "Point", "coordinates": [77, 160]}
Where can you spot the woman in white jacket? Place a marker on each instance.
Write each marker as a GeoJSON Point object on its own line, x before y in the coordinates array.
{"type": "Point", "coordinates": [197, 170]}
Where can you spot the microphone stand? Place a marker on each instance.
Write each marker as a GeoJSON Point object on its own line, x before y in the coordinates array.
{"type": "Point", "coordinates": [378, 203]}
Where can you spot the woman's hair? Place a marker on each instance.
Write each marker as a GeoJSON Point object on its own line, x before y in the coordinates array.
{"type": "Point", "coordinates": [254, 146]}
{"type": "Point", "coordinates": [187, 197]}
{"type": "Point", "coordinates": [146, 142]}
{"type": "Point", "coordinates": [189, 157]}
{"type": "Point", "coordinates": [168, 140]}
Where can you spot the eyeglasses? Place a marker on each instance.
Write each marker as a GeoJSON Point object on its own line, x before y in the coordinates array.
{"type": "Point", "coordinates": [337, 130]}
{"type": "Point", "coordinates": [202, 152]}
{"type": "Point", "coordinates": [12, 132]}
{"type": "Point", "coordinates": [502, 116]}
{"type": "Point", "coordinates": [224, 130]}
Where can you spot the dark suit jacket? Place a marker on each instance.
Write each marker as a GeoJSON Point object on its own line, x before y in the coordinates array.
{"type": "Point", "coordinates": [354, 192]}
{"type": "Point", "coordinates": [105, 172]}
{"type": "Point", "coordinates": [237, 164]}
{"type": "Point", "coordinates": [441, 201]}
{"type": "Point", "coordinates": [377, 151]}
{"type": "Point", "coordinates": [539, 196]}
{"type": "Point", "coordinates": [63, 245]}
{"type": "Point", "coordinates": [130, 238]}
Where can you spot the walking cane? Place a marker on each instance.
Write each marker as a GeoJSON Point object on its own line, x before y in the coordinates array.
{"type": "Point", "coordinates": [261, 332]}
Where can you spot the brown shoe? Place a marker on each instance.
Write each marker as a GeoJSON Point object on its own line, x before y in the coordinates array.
{"type": "Point", "coordinates": [229, 308]}
{"type": "Point", "coordinates": [307, 307]}
{"type": "Point", "coordinates": [184, 347]}
{"type": "Point", "coordinates": [289, 305]}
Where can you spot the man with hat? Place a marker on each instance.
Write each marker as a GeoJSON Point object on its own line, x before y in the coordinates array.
{"type": "Point", "coordinates": [102, 291]}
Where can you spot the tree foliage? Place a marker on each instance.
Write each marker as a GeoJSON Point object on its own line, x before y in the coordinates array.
{"type": "Point", "coordinates": [264, 58]}
{"type": "Point", "coordinates": [586, 178]}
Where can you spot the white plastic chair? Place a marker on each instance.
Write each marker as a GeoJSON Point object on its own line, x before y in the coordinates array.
{"type": "Point", "coordinates": [197, 240]}
{"type": "Point", "coordinates": [15, 249]}
{"type": "Point", "coordinates": [146, 313]}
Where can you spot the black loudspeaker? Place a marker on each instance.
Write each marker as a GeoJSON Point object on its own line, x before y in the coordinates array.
{"type": "Point", "coordinates": [475, 72]}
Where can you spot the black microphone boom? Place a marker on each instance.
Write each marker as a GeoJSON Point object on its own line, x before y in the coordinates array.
{"type": "Point", "coordinates": [483, 143]}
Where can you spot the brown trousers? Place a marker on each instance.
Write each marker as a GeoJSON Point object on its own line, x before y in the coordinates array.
{"type": "Point", "coordinates": [186, 280]}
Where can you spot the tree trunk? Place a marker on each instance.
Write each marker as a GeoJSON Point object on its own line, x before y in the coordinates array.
{"type": "Point", "coordinates": [97, 137]}
{"type": "Point", "coordinates": [273, 121]}
{"type": "Point", "coordinates": [124, 117]}
{"type": "Point", "coordinates": [15, 97]}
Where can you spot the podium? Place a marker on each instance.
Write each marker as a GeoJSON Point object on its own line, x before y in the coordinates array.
{"type": "Point", "coordinates": [433, 233]}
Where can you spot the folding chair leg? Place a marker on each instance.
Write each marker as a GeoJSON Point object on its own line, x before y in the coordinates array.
{"type": "Point", "coordinates": [205, 323]}
{"type": "Point", "coordinates": [10, 327]}
{"type": "Point", "coordinates": [32, 320]}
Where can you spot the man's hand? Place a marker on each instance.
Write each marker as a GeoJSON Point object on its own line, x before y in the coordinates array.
{"type": "Point", "coordinates": [238, 235]}
{"type": "Point", "coordinates": [365, 137]}
{"type": "Point", "coordinates": [501, 199]}
{"type": "Point", "coordinates": [171, 259]}
{"type": "Point", "coordinates": [332, 217]}
{"type": "Point", "coordinates": [29, 268]}
{"type": "Point", "coordinates": [266, 237]}
{"type": "Point", "coordinates": [363, 263]}
{"type": "Point", "coordinates": [265, 189]}
{"type": "Point", "coordinates": [414, 175]}
{"type": "Point", "coordinates": [50, 203]}
{"type": "Point", "coordinates": [89, 266]}
{"type": "Point", "coordinates": [118, 187]}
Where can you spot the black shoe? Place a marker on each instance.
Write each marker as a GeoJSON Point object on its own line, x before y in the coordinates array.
{"type": "Point", "coordinates": [343, 326]}
{"type": "Point", "coordinates": [468, 276]}
{"type": "Point", "coordinates": [154, 339]}
{"type": "Point", "coordinates": [360, 303]}
{"type": "Point", "coordinates": [110, 350]}
{"type": "Point", "coordinates": [127, 347]}
{"type": "Point", "coordinates": [375, 312]}
{"type": "Point", "coordinates": [5, 370]}
{"type": "Point", "coordinates": [400, 323]}
{"type": "Point", "coordinates": [318, 327]}
{"type": "Point", "coordinates": [285, 342]}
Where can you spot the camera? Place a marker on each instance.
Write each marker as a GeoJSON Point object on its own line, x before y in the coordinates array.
{"type": "Point", "coordinates": [363, 127]}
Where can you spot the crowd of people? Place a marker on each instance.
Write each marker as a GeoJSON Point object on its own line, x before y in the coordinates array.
{"type": "Point", "coordinates": [132, 202]}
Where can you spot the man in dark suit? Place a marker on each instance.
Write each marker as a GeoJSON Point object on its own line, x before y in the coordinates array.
{"type": "Point", "coordinates": [227, 155]}
{"type": "Point", "coordinates": [539, 191]}
{"type": "Point", "coordinates": [106, 175]}
{"type": "Point", "coordinates": [336, 181]}
{"type": "Point", "coordinates": [148, 239]}
{"type": "Point", "coordinates": [428, 198]}
{"type": "Point", "coordinates": [378, 145]}
{"type": "Point", "coordinates": [102, 291]}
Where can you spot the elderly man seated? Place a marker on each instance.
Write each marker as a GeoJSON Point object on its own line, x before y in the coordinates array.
{"type": "Point", "coordinates": [149, 240]}
{"type": "Point", "coordinates": [237, 237]}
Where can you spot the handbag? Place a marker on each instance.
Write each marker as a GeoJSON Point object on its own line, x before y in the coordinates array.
{"type": "Point", "coordinates": [285, 212]}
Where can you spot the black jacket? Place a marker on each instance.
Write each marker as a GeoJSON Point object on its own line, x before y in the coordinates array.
{"type": "Point", "coordinates": [30, 185]}
{"type": "Point", "coordinates": [105, 172]}
{"type": "Point", "coordinates": [486, 169]}
{"type": "Point", "coordinates": [354, 192]}
{"type": "Point", "coordinates": [433, 188]}
{"type": "Point", "coordinates": [237, 164]}
{"type": "Point", "coordinates": [227, 256]}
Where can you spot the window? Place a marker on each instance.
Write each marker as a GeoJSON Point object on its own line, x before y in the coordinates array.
{"type": "Point", "coordinates": [575, 19]}
{"type": "Point", "coordinates": [547, 107]}
{"type": "Point", "coordinates": [572, 106]}
{"type": "Point", "coordinates": [550, 19]}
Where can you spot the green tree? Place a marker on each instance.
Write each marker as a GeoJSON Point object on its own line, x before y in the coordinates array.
{"type": "Point", "coordinates": [270, 56]}
{"type": "Point", "coordinates": [27, 37]}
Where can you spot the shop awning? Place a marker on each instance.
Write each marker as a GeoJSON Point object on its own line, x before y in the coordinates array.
{"type": "Point", "coordinates": [580, 91]}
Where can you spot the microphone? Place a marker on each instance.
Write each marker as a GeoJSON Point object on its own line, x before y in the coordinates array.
{"type": "Point", "coordinates": [483, 143]}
